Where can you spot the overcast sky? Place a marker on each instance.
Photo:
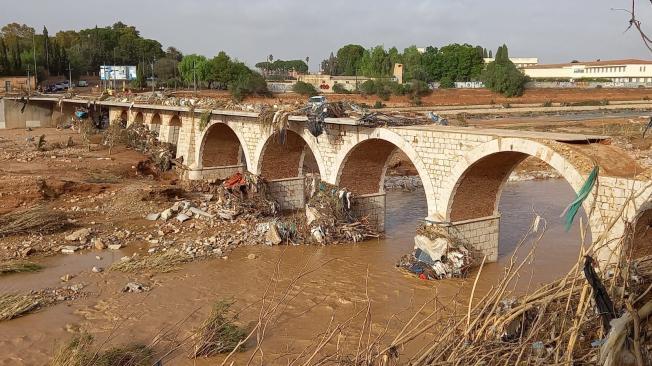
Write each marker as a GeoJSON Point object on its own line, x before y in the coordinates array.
{"type": "Point", "coordinates": [250, 30]}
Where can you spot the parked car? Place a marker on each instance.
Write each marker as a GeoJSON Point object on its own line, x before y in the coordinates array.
{"type": "Point", "coordinates": [82, 83]}
{"type": "Point", "coordinates": [316, 101]}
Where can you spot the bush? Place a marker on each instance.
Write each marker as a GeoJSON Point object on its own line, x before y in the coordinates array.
{"type": "Point", "coordinates": [378, 104]}
{"type": "Point", "coordinates": [340, 89]}
{"type": "Point", "coordinates": [248, 84]}
{"type": "Point", "coordinates": [368, 87]}
{"type": "Point", "coordinates": [446, 82]}
{"type": "Point", "coordinates": [418, 88]}
{"type": "Point", "coordinates": [305, 89]}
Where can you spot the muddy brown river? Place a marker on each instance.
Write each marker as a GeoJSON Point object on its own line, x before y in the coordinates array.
{"type": "Point", "coordinates": [341, 279]}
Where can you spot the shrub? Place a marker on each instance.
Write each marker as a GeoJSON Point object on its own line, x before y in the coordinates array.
{"type": "Point", "coordinates": [305, 89]}
{"type": "Point", "coordinates": [378, 104]}
{"type": "Point", "coordinates": [368, 87]}
{"type": "Point", "coordinates": [340, 89]}
{"type": "Point", "coordinates": [446, 82]}
{"type": "Point", "coordinates": [248, 84]}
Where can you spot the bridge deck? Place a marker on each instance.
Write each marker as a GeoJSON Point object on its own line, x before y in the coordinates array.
{"type": "Point", "coordinates": [561, 137]}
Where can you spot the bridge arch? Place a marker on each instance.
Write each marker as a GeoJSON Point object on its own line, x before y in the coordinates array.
{"type": "Point", "coordinates": [361, 167]}
{"type": "Point", "coordinates": [175, 128]}
{"type": "Point", "coordinates": [476, 182]}
{"type": "Point", "coordinates": [155, 123]}
{"type": "Point", "coordinates": [275, 160]}
{"type": "Point", "coordinates": [221, 147]}
{"type": "Point", "coordinates": [138, 117]}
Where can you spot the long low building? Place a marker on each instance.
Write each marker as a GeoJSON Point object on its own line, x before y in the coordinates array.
{"type": "Point", "coordinates": [627, 71]}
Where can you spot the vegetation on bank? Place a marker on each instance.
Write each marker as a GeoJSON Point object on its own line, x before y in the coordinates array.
{"type": "Point", "coordinates": [502, 76]}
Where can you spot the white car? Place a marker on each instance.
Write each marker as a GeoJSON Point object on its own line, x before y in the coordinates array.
{"type": "Point", "coordinates": [316, 101]}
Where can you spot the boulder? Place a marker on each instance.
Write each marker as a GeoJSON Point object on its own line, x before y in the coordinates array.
{"type": "Point", "coordinates": [153, 216]}
{"type": "Point", "coordinates": [166, 215]}
{"type": "Point", "coordinates": [81, 235]}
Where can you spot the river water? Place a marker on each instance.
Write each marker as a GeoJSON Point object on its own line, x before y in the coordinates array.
{"type": "Point", "coordinates": [341, 278]}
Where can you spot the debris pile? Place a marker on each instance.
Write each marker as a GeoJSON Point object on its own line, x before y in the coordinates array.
{"type": "Point", "coordinates": [140, 138]}
{"type": "Point", "coordinates": [437, 256]}
{"type": "Point", "coordinates": [15, 305]}
{"type": "Point", "coordinates": [330, 217]}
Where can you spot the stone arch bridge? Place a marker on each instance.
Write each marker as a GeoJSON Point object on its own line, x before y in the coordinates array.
{"type": "Point", "coordinates": [463, 170]}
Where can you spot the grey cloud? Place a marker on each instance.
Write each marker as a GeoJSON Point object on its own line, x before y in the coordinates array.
{"type": "Point", "coordinates": [553, 30]}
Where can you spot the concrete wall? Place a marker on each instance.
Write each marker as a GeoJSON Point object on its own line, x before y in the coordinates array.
{"type": "Point", "coordinates": [371, 206]}
{"type": "Point", "coordinates": [2, 113]}
{"type": "Point", "coordinates": [221, 172]}
{"type": "Point", "coordinates": [36, 114]}
{"type": "Point", "coordinates": [288, 192]}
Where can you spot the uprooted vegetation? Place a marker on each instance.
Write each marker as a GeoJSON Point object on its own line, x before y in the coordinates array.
{"type": "Point", "coordinates": [18, 266]}
{"type": "Point", "coordinates": [218, 333]}
{"type": "Point", "coordinates": [34, 220]}
{"type": "Point", "coordinates": [15, 305]}
{"type": "Point", "coordinates": [161, 262]}
{"type": "Point", "coordinates": [81, 351]}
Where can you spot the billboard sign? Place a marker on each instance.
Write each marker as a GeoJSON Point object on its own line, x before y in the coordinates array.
{"type": "Point", "coordinates": [118, 72]}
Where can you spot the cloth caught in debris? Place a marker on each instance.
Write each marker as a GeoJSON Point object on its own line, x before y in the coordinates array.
{"type": "Point", "coordinates": [571, 210]}
{"type": "Point", "coordinates": [600, 295]}
{"type": "Point", "coordinates": [237, 180]}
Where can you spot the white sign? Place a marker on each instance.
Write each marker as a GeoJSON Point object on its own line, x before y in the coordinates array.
{"type": "Point", "coordinates": [118, 72]}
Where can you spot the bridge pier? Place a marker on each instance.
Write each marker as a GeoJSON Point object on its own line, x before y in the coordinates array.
{"type": "Point", "coordinates": [481, 234]}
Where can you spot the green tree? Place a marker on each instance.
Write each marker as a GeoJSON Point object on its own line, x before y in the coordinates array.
{"type": "Point", "coordinates": [349, 59]}
{"type": "Point", "coordinates": [502, 76]}
{"type": "Point", "coordinates": [376, 63]}
{"type": "Point", "coordinates": [193, 67]}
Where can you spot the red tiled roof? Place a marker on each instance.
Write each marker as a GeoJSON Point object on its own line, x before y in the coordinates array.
{"type": "Point", "coordinates": [594, 63]}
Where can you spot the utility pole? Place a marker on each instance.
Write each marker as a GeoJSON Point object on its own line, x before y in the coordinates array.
{"type": "Point", "coordinates": [69, 77]}
{"type": "Point", "coordinates": [29, 82]}
{"type": "Point", "coordinates": [152, 76]}
{"type": "Point", "coordinates": [34, 54]}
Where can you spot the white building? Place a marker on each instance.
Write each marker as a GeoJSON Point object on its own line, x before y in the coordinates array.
{"type": "Point", "coordinates": [628, 71]}
{"type": "Point", "coordinates": [520, 62]}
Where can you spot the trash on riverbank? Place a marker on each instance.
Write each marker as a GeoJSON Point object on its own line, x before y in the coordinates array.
{"type": "Point", "coordinates": [218, 334]}
{"type": "Point", "coordinates": [34, 220]}
{"type": "Point", "coordinates": [437, 256]}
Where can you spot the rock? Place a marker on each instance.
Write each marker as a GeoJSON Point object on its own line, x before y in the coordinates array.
{"type": "Point", "coordinates": [126, 258]}
{"type": "Point", "coordinates": [166, 215]}
{"type": "Point", "coordinates": [76, 287]}
{"type": "Point", "coordinates": [66, 278]}
{"type": "Point", "coordinates": [81, 235]}
{"type": "Point", "coordinates": [434, 248]}
{"type": "Point", "coordinates": [69, 249]}
{"type": "Point", "coordinates": [183, 217]}
{"type": "Point", "coordinates": [135, 287]}
{"type": "Point", "coordinates": [115, 246]}
{"type": "Point", "coordinates": [252, 256]}
{"type": "Point", "coordinates": [153, 216]}
{"type": "Point", "coordinates": [199, 212]}
{"type": "Point", "coordinates": [272, 237]}
{"type": "Point", "coordinates": [99, 244]}
{"type": "Point", "coordinates": [97, 269]}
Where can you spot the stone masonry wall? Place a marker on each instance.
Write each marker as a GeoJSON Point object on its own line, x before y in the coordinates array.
{"type": "Point", "coordinates": [221, 172]}
{"type": "Point", "coordinates": [371, 206]}
{"type": "Point", "coordinates": [480, 234]}
{"type": "Point", "coordinates": [288, 192]}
